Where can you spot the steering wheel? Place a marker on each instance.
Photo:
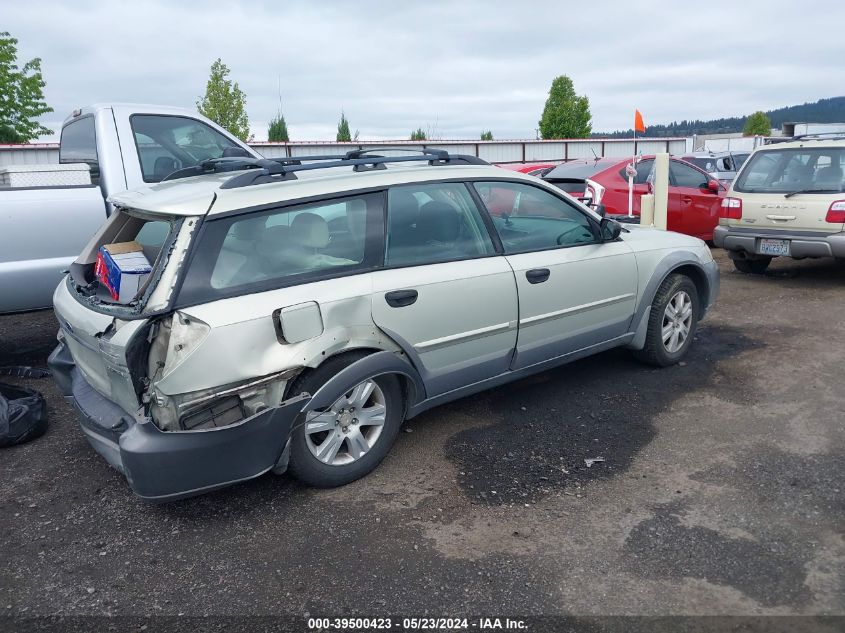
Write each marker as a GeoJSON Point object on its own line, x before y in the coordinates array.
{"type": "Point", "coordinates": [560, 238]}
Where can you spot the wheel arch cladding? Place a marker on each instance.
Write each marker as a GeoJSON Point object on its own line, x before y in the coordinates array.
{"type": "Point", "coordinates": [699, 278]}
{"type": "Point", "coordinates": [374, 363]}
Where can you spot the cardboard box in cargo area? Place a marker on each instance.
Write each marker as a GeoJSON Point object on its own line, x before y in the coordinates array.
{"type": "Point", "coordinates": [123, 269]}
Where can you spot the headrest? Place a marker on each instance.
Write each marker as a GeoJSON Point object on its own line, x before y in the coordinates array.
{"type": "Point", "coordinates": [439, 223]}
{"type": "Point", "coordinates": [309, 230]}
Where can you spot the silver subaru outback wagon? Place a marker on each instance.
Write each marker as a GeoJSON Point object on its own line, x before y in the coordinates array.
{"type": "Point", "coordinates": [298, 311]}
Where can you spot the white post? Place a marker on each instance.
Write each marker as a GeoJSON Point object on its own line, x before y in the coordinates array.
{"type": "Point", "coordinates": [661, 190]}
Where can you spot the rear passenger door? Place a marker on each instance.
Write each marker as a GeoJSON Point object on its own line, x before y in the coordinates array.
{"type": "Point", "coordinates": [575, 291]}
{"type": "Point", "coordinates": [444, 294]}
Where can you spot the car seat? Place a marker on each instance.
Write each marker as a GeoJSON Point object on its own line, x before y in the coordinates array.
{"type": "Point", "coordinates": [829, 178]}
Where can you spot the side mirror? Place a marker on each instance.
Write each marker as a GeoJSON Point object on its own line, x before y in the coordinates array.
{"type": "Point", "coordinates": [711, 186]}
{"type": "Point", "coordinates": [600, 209]}
{"type": "Point", "coordinates": [610, 229]}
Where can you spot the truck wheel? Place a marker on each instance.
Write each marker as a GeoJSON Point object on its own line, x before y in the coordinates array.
{"type": "Point", "coordinates": [346, 441]}
{"type": "Point", "coordinates": [672, 322]}
{"type": "Point", "coordinates": [753, 266]}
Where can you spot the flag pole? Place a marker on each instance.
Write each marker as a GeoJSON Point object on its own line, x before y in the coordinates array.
{"type": "Point", "coordinates": [630, 176]}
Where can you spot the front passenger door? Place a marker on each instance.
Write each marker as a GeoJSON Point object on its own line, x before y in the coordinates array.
{"type": "Point", "coordinates": [575, 292]}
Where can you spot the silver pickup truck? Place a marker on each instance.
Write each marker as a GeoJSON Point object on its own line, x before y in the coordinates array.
{"type": "Point", "coordinates": [48, 213]}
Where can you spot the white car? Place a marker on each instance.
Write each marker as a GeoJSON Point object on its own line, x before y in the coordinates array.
{"type": "Point", "coordinates": [299, 310]}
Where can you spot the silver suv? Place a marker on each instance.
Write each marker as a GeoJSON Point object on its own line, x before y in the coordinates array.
{"type": "Point", "coordinates": [299, 310]}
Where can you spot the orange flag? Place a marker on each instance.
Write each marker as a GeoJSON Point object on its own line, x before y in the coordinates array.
{"type": "Point", "coordinates": [639, 126]}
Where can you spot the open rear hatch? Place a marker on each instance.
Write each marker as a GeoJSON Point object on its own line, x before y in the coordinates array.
{"type": "Point", "coordinates": [107, 338]}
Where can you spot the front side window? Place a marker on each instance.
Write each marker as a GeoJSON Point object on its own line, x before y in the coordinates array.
{"type": "Point", "coordinates": [168, 143]}
{"type": "Point", "coordinates": [283, 247]}
{"type": "Point", "coordinates": [529, 218]}
{"type": "Point", "coordinates": [432, 223]}
{"type": "Point", "coordinates": [685, 176]}
{"type": "Point", "coordinates": [788, 170]}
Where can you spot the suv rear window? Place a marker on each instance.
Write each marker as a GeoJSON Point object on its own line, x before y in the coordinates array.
{"type": "Point", "coordinates": [810, 170]}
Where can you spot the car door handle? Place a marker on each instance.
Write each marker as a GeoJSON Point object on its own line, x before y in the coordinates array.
{"type": "Point", "coordinates": [401, 298]}
{"type": "Point", "coordinates": [686, 200]}
{"type": "Point", "coordinates": [537, 275]}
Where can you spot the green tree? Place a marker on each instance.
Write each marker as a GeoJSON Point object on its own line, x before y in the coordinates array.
{"type": "Point", "coordinates": [277, 132]}
{"type": "Point", "coordinates": [224, 103]}
{"type": "Point", "coordinates": [418, 134]}
{"type": "Point", "coordinates": [487, 136]}
{"type": "Point", "coordinates": [21, 95]}
{"type": "Point", "coordinates": [566, 115]}
{"type": "Point", "coordinates": [343, 129]}
{"type": "Point", "coordinates": [758, 124]}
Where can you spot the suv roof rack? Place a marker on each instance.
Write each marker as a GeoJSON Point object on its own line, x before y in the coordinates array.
{"type": "Point", "coordinates": [819, 136]}
{"type": "Point", "coordinates": [264, 170]}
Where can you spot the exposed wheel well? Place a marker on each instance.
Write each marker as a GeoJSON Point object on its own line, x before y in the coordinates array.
{"type": "Point", "coordinates": [409, 390]}
{"type": "Point", "coordinates": [698, 278]}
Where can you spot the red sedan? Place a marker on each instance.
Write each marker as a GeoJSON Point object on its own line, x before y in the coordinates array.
{"type": "Point", "coordinates": [694, 195]}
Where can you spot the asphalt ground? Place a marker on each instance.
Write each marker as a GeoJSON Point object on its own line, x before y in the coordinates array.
{"type": "Point", "coordinates": [721, 492]}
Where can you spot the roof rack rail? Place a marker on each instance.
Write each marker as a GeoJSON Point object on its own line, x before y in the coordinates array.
{"type": "Point", "coordinates": [822, 136]}
{"type": "Point", "coordinates": [282, 169]}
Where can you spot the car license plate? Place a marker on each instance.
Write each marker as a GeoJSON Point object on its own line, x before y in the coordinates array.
{"type": "Point", "coordinates": [774, 247]}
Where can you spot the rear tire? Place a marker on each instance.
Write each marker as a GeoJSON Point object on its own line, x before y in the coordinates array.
{"type": "Point", "coordinates": [753, 266]}
{"type": "Point", "coordinates": [347, 448]}
{"type": "Point", "coordinates": [672, 322]}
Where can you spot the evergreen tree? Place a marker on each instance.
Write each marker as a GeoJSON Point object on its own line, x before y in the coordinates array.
{"type": "Point", "coordinates": [566, 115]}
{"type": "Point", "coordinates": [224, 103]}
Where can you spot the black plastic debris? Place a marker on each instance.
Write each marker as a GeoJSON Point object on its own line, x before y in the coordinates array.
{"type": "Point", "coordinates": [23, 413]}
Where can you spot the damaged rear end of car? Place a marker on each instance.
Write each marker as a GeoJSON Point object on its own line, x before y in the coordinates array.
{"type": "Point", "coordinates": [113, 359]}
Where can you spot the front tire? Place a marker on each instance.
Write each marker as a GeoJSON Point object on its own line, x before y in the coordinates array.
{"type": "Point", "coordinates": [753, 266]}
{"type": "Point", "coordinates": [672, 322]}
{"type": "Point", "coordinates": [346, 441]}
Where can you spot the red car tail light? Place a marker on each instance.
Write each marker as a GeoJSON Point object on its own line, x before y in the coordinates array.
{"type": "Point", "coordinates": [731, 208]}
{"type": "Point", "coordinates": [836, 213]}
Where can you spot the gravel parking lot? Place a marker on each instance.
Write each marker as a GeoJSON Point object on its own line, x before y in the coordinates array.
{"type": "Point", "coordinates": [720, 492]}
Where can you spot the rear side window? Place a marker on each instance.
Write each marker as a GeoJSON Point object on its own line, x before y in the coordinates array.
{"type": "Point", "coordinates": [644, 168]}
{"type": "Point", "coordinates": [284, 247]}
{"type": "Point", "coordinates": [79, 144]}
{"type": "Point", "coordinates": [427, 224]}
{"type": "Point", "coordinates": [168, 143]}
{"type": "Point", "coordinates": [819, 170]}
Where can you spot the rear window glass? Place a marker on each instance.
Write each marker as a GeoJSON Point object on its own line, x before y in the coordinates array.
{"type": "Point", "coordinates": [810, 170]}
{"type": "Point", "coordinates": [578, 169]}
{"type": "Point", "coordinates": [283, 247]}
{"type": "Point", "coordinates": [168, 143]}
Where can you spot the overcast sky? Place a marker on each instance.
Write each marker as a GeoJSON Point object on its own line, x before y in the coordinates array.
{"type": "Point", "coordinates": [455, 68]}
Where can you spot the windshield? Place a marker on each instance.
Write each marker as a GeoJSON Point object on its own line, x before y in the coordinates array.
{"type": "Point", "coordinates": [791, 170]}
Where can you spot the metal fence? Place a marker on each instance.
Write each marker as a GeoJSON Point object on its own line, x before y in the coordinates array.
{"type": "Point", "coordinates": [517, 151]}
